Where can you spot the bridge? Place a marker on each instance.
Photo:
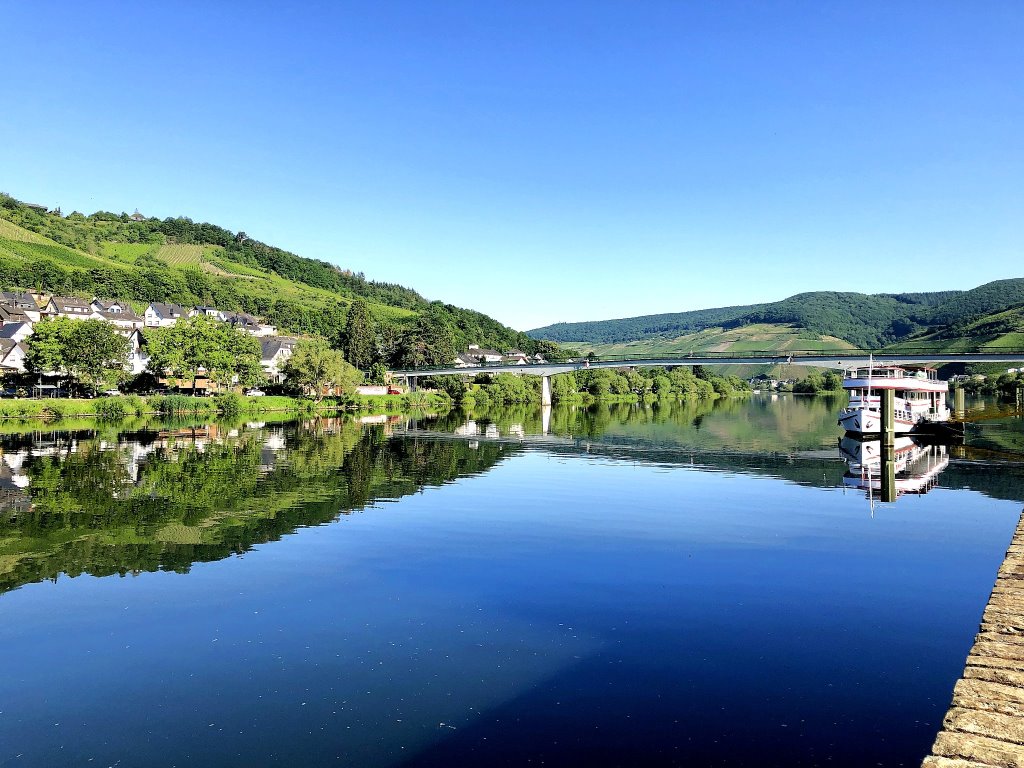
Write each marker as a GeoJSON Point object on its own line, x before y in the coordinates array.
{"type": "Point", "coordinates": [840, 359]}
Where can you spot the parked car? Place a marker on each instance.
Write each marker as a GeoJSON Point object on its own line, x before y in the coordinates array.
{"type": "Point", "coordinates": [255, 393]}
{"type": "Point", "coordinates": [110, 392]}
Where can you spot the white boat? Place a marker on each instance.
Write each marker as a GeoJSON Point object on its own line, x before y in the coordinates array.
{"type": "Point", "coordinates": [920, 397]}
{"type": "Point", "coordinates": [916, 466]}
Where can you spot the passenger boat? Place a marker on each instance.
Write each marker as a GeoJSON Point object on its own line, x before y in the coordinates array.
{"type": "Point", "coordinates": [920, 398]}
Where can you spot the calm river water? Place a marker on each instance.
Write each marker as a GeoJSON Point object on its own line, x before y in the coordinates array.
{"type": "Point", "coordinates": [712, 585]}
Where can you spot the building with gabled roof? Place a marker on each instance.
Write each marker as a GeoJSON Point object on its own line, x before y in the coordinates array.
{"type": "Point", "coordinates": [16, 331]}
{"type": "Point", "coordinates": [275, 352]}
{"type": "Point", "coordinates": [159, 315]}
{"type": "Point", "coordinates": [12, 356]}
{"type": "Point", "coordinates": [70, 307]}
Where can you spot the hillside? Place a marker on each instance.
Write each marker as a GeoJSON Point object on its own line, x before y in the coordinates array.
{"type": "Point", "coordinates": [177, 260]}
{"type": "Point", "coordinates": [859, 320]}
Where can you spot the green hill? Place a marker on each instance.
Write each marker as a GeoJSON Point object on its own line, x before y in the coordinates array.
{"type": "Point", "coordinates": [859, 320]}
{"type": "Point", "coordinates": [181, 261]}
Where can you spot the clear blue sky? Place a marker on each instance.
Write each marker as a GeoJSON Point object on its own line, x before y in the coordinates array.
{"type": "Point", "coordinates": [545, 161]}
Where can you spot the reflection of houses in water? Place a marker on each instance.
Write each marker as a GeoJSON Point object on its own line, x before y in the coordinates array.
{"type": "Point", "coordinates": [916, 466]}
{"type": "Point", "coordinates": [134, 452]}
{"type": "Point", "coordinates": [489, 430]}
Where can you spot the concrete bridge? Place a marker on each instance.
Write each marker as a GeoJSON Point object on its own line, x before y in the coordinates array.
{"type": "Point", "coordinates": [840, 359]}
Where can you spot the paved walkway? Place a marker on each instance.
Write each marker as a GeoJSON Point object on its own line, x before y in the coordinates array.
{"type": "Point", "coordinates": [985, 722]}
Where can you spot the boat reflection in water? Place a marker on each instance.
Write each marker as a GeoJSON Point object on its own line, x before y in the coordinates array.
{"type": "Point", "coordinates": [913, 467]}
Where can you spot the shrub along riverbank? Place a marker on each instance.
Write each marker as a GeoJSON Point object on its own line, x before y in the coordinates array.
{"type": "Point", "coordinates": [230, 404]}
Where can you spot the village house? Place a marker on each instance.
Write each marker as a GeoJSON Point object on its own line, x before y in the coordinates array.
{"type": "Point", "coordinates": [249, 323]}
{"type": "Point", "coordinates": [117, 313]}
{"type": "Point", "coordinates": [158, 315]}
{"type": "Point", "coordinates": [515, 357]}
{"type": "Point", "coordinates": [12, 315]}
{"type": "Point", "coordinates": [70, 307]}
{"type": "Point", "coordinates": [16, 331]}
{"type": "Point", "coordinates": [137, 357]}
{"type": "Point", "coordinates": [12, 356]}
{"type": "Point", "coordinates": [213, 312]}
{"type": "Point", "coordinates": [23, 302]}
{"type": "Point", "coordinates": [474, 356]}
{"type": "Point", "coordinates": [275, 353]}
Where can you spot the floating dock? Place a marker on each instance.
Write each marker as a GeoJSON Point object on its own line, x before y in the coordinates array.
{"type": "Point", "coordinates": [985, 723]}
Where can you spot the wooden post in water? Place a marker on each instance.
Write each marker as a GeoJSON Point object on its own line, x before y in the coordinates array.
{"type": "Point", "coordinates": [958, 402]}
{"type": "Point", "coordinates": [888, 441]}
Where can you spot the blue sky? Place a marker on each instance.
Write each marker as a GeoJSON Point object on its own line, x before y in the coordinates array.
{"type": "Point", "coordinates": [545, 161]}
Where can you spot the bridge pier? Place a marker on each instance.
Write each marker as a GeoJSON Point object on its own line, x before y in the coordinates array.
{"type": "Point", "coordinates": [545, 390]}
{"type": "Point", "coordinates": [411, 381]}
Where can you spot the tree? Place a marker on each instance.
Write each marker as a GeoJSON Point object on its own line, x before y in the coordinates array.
{"type": "Point", "coordinates": [95, 353]}
{"type": "Point", "coordinates": [89, 351]}
{"type": "Point", "coordinates": [429, 341]}
{"type": "Point", "coordinates": [359, 339]}
{"type": "Point", "coordinates": [204, 345]}
{"type": "Point", "coordinates": [314, 367]}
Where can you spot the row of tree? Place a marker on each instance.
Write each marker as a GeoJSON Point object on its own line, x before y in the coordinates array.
{"type": "Point", "coordinates": [681, 382]}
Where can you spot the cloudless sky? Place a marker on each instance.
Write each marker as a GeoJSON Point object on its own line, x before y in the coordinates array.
{"type": "Point", "coordinates": [544, 161]}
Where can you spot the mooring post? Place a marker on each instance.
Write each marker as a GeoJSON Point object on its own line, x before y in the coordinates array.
{"type": "Point", "coordinates": [888, 403]}
{"type": "Point", "coordinates": [545, 390]}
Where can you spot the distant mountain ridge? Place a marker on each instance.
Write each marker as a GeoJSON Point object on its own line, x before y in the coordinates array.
{"type": "Point", "coordinates": [864, 320]}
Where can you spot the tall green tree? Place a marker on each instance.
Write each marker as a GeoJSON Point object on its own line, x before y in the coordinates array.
{"type": "Point", "coordinates": [430, 341]}
{"type": "Point", "coordinates": [359, 338]}
{"type": "Point", "coordinates": [90, 352]}
{"type": "Point", "coordinates": [314, 367]}
{"type": "Point", "coordinates": [202, 345]}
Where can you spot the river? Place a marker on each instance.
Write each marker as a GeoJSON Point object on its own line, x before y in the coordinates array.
{"type": "Point", "coordinates": [627, 585]}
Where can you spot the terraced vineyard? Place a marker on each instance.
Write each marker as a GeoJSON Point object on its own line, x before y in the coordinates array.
{"type": "Point", "coordinates": [181, 255]}
{"type": "Point", "coordinates": [14, 232]}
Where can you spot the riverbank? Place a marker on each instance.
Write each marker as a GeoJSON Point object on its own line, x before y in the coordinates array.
{"type": "Point", "coordinates": [130, 406]}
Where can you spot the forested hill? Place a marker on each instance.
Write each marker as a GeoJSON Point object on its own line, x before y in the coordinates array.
{"type": "Point", "coordinates": [868, 321]}
{"type": "Point", "coordinates": [190, 263]}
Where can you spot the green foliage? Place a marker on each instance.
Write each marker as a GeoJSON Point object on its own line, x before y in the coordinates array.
{"type": "Point", "coordinates": [453, 386]}
{"type": "Point", "coordinates": [202, 345]}
{"type": "Point", "coordinates": [430, 341]}
{"type": "Point", "coordinates": [89, 351]}
{"type": "Point", "coordinates": [378, 374]}
{"type": "Point", "coordinates": [359, 339]}
{"type": "Point", "coordinates": [314, 367]}
{"type": "Point", "coordinates": [178, 260]}
{"type": "Point", "coordinates": [176, 405]}
{"type": "Point", "coordinates": [229, 404]}
{"type": "Point", "coordinates": [830, 381]}
{"type": "Point", "coordinates": [111, 409]}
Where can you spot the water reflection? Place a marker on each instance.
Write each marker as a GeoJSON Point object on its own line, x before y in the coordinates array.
{"type": "Point", "coordinates": [913, 467]}
{"type": "Point", "coordinates": [165, 498]}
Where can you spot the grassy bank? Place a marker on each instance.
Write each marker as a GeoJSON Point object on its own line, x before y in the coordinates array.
{"type": "Point", "coordinates": [132, 406]}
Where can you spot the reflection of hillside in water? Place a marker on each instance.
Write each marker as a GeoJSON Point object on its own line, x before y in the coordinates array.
{"type": "Point", "coordinates": [100, 502]}
{"type": "Point", "coordinates": [76, 503]}
{"type": "Point", "coordinates": [785, 437]}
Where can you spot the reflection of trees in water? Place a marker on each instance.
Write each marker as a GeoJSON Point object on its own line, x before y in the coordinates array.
{"type": "Point", "coordinates": [189, 501]}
